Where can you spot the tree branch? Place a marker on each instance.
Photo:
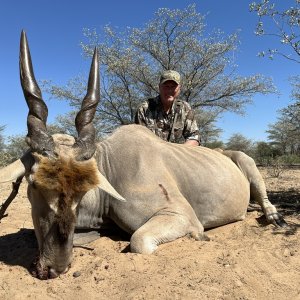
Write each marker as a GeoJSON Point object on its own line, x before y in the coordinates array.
{"type": "Point", "coordinates": [11, 197]}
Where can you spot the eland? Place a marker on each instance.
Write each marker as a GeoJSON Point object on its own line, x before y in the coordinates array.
{"type": "Point", "coordinates": [154, 190]}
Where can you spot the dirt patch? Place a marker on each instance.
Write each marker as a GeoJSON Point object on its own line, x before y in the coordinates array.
{"type": "Point", "coordinates": [243, 260]}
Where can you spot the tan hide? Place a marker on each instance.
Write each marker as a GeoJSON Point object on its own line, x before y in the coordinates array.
{"type": "Point", "coordinates": [12, 171]}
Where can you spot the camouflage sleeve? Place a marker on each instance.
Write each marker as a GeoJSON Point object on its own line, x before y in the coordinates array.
{"type": "Point", "coordinates": [191, 130]}
{"type": "Point", "coordinates": [140, 116]}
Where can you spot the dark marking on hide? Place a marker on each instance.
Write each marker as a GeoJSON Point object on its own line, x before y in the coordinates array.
{"type": "Point", "coordinates": [164, 192]}
{"type": "Point", "coordinates": [65, 218]}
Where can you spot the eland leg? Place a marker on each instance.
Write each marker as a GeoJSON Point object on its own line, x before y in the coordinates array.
{"type": "Point", "coordinates": [89, 218]}
{"type": "Point", "coordinates": [258, 191]}
{"type": "Point", "coordinates": [165, 226]}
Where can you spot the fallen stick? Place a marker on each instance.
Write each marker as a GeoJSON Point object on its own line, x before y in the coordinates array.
{"type": "Point", "coordinates": [253, 207]}
{"type": "Point", "coordinates": [11, 197]}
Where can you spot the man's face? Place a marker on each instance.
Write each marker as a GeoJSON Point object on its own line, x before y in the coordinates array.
{"type": "Point", "coordinates": [169, 90]}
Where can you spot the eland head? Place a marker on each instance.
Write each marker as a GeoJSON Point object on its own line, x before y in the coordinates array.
{"type": "Point", "coordinates": [59, 169]}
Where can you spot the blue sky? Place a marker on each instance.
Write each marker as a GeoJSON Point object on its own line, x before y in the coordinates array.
{"type": "Point", "coordinates": [54, 30]}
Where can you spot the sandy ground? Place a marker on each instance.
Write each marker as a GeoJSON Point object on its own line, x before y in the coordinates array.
{"type": "Point", "coordinates": [243, 260]}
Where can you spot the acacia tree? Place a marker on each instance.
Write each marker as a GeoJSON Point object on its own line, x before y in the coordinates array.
{"type": "Point", "coordinates": [209, 132]}
{"type": "Point", "coordinates": [132, 60]}
{"type": "Point", "coordinates": [16, 146]}
{"type": "Point", "coordinates": [285, 133]}
{"type": "Point", "coordinates": [2, 144]}
{"type": "Point", "coordinates": [285, 27]}
{"type": "Point", "coordinates": [3, 157]}
{"type": "Point", "coordinates": [239, 142]}
{"type": "Point", "coordinates": [13, 149]}
{"type": "Point", "coordinates": [295, 81]}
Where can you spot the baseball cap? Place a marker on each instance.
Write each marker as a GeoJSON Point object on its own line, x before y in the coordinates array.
{"type": "Point", "coordinates": [170, 75]}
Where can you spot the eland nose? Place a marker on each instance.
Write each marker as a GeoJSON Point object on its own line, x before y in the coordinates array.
{"type": "Point", "coordinates": [53, 273]}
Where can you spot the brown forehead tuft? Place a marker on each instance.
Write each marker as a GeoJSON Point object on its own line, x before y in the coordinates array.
{"type": "Point", "coordinates": [66, 175]}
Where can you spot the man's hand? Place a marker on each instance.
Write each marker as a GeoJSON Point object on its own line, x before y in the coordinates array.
{"type": "Point", "coordinates": [191, 143]}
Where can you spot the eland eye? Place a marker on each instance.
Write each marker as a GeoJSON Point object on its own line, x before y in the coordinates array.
{"type": "Point", "coordinates": [30, 180]}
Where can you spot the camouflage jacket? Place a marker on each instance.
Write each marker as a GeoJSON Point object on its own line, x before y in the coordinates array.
{"type": "Point", "coordinates": [152, 115]}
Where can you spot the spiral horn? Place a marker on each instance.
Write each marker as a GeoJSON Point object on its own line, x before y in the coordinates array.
{"type": "Point", "coordinates": [85, 144]}
{"type": "Point", "coordinates": [37, 137]}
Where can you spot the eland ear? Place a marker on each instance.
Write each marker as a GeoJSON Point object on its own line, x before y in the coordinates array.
{"type": "Point", "coordinates": [17, 168]}
{"type": "Point", "coordinates": [12, 171]}
{"type": "Point", "coordinates": [108, 188]}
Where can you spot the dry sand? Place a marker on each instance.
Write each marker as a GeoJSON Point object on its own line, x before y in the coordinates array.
{"type": "Point", "coordinates": [243, 260]}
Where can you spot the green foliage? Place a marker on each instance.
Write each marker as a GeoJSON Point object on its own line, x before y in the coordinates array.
{"type": "Point", "coordinates": [264, 153]}
{"type": "Point", "coordinates": [285, 133]}
{"type": "Point", "coordinates": [16, 147]}
{"type": "Point", "coordinates": [2, 143]}
{"type": "Point", "coordinates": [267, 154]}
{"type": "Point", "coordinates": [290, 159]}
{"type": "Point", "coordinates": [214, 144]}
{"type": "Point", "coordinates": [209, 132]}
{"type": "Point", "coordinates": [13, 150]}
{"type": "Point", "coordinates": [239, 142]}
{"type": "Point", "coordinates": [5, 158]}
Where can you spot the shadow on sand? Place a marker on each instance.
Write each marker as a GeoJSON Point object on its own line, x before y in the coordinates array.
{"type": "Point", "coordinates": [288, 205]}
{"type": "Point", "coordinates": [287, 202]}
{"type": "Point", "coordinates": [18, 248]}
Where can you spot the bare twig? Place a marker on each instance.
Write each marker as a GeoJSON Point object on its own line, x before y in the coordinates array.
{"type": "Point", "coordinates": [11, 197]}
{"type": "Point", "coordinates": [253, 207]}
